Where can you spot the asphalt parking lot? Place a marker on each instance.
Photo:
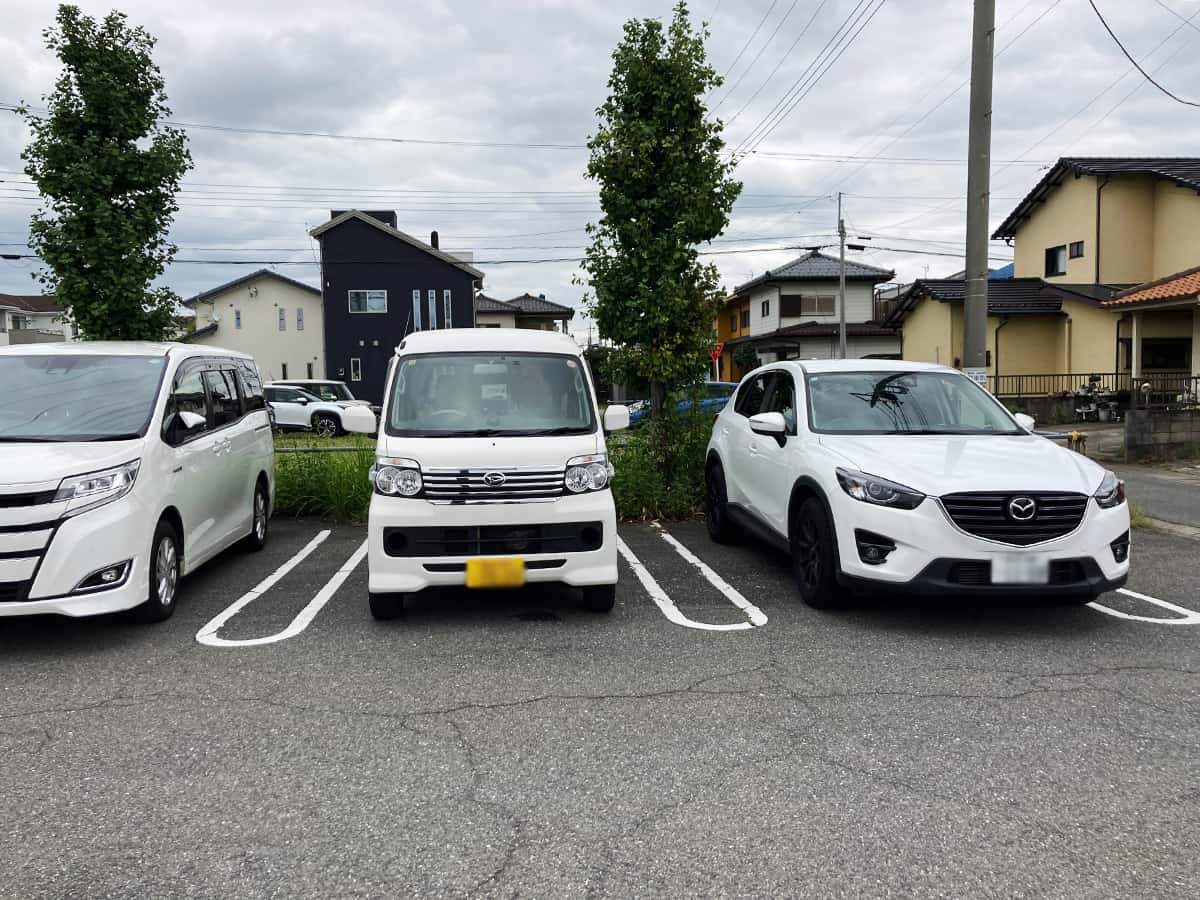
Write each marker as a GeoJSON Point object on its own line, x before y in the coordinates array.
{"type": "Point", "coordinates": [709, 737]}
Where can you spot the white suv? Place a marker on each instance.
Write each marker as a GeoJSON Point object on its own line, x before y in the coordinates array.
{"type": "Point", "coordinates": [491, 469]}
{"type": "Point", "coordinates": [298, 410]}
{"type": "Point", "coordinates": [878, 474]}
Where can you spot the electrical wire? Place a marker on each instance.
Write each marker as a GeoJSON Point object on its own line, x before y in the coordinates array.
{"type": "Point", "coordinates": [1136, 64]}
{"type": "Point", "coordinates": [746, 71]}
{"type": "Point", "coordinates": [749, 40]}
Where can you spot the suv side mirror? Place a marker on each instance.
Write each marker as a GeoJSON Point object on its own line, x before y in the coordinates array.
{"type": "Point", "coordinates": [1025, 421]}
{"type": "Point", "coordinates": [616, 418]}
{"type": "Point", "coordinates": [771, 424]}
{"type": "Point", "coordinates": [303, 401]}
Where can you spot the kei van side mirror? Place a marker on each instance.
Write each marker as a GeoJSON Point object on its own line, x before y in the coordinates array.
{"type": "Point", "coordinates": [616, 418]}
{"type": "Point", "coordinates": [359, 420]}
{"type": "Point", "coordinates": [1025, 421]}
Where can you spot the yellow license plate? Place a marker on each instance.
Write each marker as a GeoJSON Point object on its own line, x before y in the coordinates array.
{"type": "Point", "coordinates": [496, 573]}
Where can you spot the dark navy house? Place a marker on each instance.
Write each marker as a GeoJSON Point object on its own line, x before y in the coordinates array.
{"type": "Point", "coordinates": [378, 284]}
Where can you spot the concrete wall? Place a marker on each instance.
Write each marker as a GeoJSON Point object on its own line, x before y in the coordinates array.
{"type": "Point", "coordinates": [495, 320]}
{"type": "Point", "coordinates": [1176, 229]}
{"type": "Point", "coordinates": [926, 333]}
{"type": "Point", "coordinates": [1127, 231]}
{"type": "Point", "coordinates": [1069, 214]}
{"type": "Point", "coordinates": [1092, 334]}
{"type": "Point", "coordinates": [1160, 433]}
{"type": "Point", "coordinates": [1027, 346]}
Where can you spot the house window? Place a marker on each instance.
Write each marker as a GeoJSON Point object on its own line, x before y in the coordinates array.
{"type": "Point", "coordinates": [19, 323]}
{"type": "Point", "coordinates": [432, 308]}
{"type": "Point", "coordinates": [766, 308]}
{"type": "Point", "coordinates": [733, 322]}
{"type": "Point", "coordinates": [1076, 249]}
{"type": "Point", "coordinates": [745, 318]}
{"type": "Point", "coordinates": [1167, 353]}
{"type": "Point", "coordinates": [1056, 260]}
{"type": "Point", "coordinates": [283, 371]}
{"type": "Point", "coordinates": [237, 318]}
{"type": "Point", "coordinates": [794, 306]}
{"type": "Point", "coordinates": [355, 369]}
{"type": "Point", "coordinates": [368, 301]}
{"type": "Point", "coordinates": [447, 312]}
{"type": "Point", "coordinates": [416, 310]}
{"type": "Point", "coordinates": [299, 318]}
{"type": "Point", "coordinates": [282, 319]}
{"type": "Point", "coordinates": [308, 369]}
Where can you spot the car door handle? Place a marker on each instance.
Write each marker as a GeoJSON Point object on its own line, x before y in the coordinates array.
{"type": "Point", "coordinates": [753, 449]}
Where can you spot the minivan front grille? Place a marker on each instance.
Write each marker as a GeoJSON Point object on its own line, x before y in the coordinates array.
{"type": "Point", "coordinates": [509, 485]}
{"type": "Point", "coordinates": [36, 498]}
{"type": "Point", "coordinates": [990, 515]}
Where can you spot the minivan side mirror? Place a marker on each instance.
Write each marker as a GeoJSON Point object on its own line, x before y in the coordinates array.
{"type": "Point", "coordinates": [1025, 421]}
{"type": "Point", "coordinates": [771, 424]}
{"type": "Point", "coordinates": [616, 418]}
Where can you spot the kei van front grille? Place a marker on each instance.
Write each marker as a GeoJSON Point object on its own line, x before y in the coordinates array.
{"type": "Point", "coordinates": [493, 540]}
{"type": "Point", "coordinates": [511, 485]}
{"type": "Point", "coordinates": [990, 515]}
{"type": "Point", "coordinates": [37, 498]}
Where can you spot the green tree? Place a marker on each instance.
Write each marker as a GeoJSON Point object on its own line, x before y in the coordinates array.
{"type": "Point", "coordinates": [745, 357]}
{"type": "Point", "coordinates": [108, 170]}
{"type": "Point", "coordinates": [664, 188]}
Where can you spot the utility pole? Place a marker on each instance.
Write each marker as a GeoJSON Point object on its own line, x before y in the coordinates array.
{"type": "Point", "coordinates": [841, 282]}
{"type": "Point", "coordinates": [979, 164]}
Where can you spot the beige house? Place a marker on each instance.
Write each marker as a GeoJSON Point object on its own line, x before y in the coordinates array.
{"type": "Point", "coordinates": [275, 319]}
{"type": "Point", "coordinates": [32, 319]}
{"type": "Point", "coordinates": [525, 311]}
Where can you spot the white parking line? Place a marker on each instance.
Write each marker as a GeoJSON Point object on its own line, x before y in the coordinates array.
{"type": "Point", "coordinates": [734, 596]}
{"type": "Point", "coordinates": [1190, 616]}
{"type": "Point", "coordinates": [663, 601]}
{"type": "Point", "coordinates": [208, 634]}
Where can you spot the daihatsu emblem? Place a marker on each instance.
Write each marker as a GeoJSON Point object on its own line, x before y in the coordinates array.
{"type": "Point", "coordinates": [1022, 508]}
{"type": "Point", "coordinates": [494, 479]}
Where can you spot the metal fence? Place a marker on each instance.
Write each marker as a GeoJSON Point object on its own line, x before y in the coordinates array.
{"type": "Point", "coordinates": [1058, 384]}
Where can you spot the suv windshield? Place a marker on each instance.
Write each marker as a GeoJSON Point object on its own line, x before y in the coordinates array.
{"type": "Point", "coordinates": [77, 397]}
{"type": "Point", "coordinates": [464, 394]}
{"type": "Point", "coordinates": [903, 403]}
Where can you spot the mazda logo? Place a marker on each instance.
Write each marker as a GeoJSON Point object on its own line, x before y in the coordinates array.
{"type": "Point", "coordinates": [1022, 508]}
{"type": "Point", "coordinates": [494, 479]}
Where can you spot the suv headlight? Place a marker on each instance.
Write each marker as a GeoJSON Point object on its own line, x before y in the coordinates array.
{"type": "Point", "coordinates": [396, 477]}
{"type": "Point", "coordinates": [92, 489]}
{"type": "Point", "coordinates": [588, 473]}
{"type": "Point", "coordinates": [1111, 491]}
{"type": "Point", "coordinates": [879, 491]}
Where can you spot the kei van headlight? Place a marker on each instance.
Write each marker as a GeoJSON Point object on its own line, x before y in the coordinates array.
{"type": "Point", "coordinates": [588, 473]}
{"type": "Point", "coordinates": [1111, 491]}
{"type": "Point", "coordinates": [396, 477]}
{"type": "Point", "coordinates": [93, 489]}
{"type": "Point", "coordinates": [879, 491]}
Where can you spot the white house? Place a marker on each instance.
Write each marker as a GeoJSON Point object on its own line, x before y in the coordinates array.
{"type": "Point", "coordinates": [32, 319]}
{"type": "Point", "coordinates": [275, 319]}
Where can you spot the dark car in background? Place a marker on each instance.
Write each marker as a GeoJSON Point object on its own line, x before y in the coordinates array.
{"type": "Point", "coordinates": [715, 395]}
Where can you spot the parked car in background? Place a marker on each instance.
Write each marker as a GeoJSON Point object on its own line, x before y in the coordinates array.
{"type": "Point", "coordinates": [887, 475]}
{"type": "Point", "coordinates": [330, 391]}
{"type": "Point", "coordinates": [296, 409]}
{"type": "Point", "coordinates": [491, 469]}
{"type": "Point", "coordinates": [123, 467]}
{"type": "Point", "coordinates": [715, 395]}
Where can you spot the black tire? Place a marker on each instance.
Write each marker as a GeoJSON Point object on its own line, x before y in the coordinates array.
{"type": "Point", "coordinates": [164, 570]}
{"type": "Point", "coordinates": [326, 425]}
{"type": "Point", "coordinates": [716, 507]}
{"type": "Point", "coordinates": [385, 607]}
{"type": "Point", "coordinates": [815, 559]}
{"type": "Point", "coordinates": [260, 519]}
{"type": "Point", "coordinates": [599, 598]}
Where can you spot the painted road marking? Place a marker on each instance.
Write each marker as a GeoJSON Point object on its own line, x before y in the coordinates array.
{"type": "Point", "coordinates": [208, 634]}
{"type": "Point", "coordinates": [756, 616]}
{"type": "Point", "coordinates": [1190, 616]}
{"type": "Point", "coordinates": [664, 602]}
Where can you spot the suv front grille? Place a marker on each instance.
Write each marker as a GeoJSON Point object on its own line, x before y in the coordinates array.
{"type": "Point", "coordinates": [493, 540]}
{"type": "Point", "coordinates": [492, 485]}
{"type": "Point", "coordinates": [987, 515]}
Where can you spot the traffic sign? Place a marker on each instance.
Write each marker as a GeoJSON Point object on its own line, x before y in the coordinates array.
{"type": "Point", "coordinates": [716, 353]}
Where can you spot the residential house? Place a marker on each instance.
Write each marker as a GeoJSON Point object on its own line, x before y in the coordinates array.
{"type": "Point", "coordinates": [379, 284]}
{"type": "Point", "coordinates": [32, 319]}
{"type": "Point", "coordinates": [276, 319]}
{"type": "Point", "coordinates": [1171, 307]}
{"type": "Point", "coordinates": [793, 313]}
{"type": "Point", "coordinates": [525, 311]}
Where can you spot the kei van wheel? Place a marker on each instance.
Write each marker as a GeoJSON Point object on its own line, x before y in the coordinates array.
{"type": "Point", "coordinates": [326, 426]}
{"type": "Point", "coordinates": [599, 598]}
{"type": "Point", "coordinates": [385, 607]}
{"type": "Point", "coordinates": [814, 558]}
{"type": "Point", "coordinates": [164, 576]}
{"type": "Point", "coordinates": [716, 507]}
{"type": "Point", "coordinates": [260, 522]}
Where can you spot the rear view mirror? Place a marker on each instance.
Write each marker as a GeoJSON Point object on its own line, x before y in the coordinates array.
{"type": "Point", "coordinates": [768, 423]}
{"type": "Point", "coordinates": [616, 418]}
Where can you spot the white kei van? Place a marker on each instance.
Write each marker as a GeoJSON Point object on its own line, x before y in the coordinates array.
{"type": "Point", "coordinates": [124, 466]}
{"type": "Point", "coordinates": [491, 469]}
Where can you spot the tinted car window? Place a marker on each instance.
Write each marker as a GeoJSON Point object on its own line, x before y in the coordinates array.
{"type": "Point", "coordinates": [186, 396]}
{"type": "Point", "coordinates": [226, 407]}
{"type": "Point", "coordinates": [252, 389]}
{"type": "Point", "coordinates": [751, 395]}
{"type": "Point", "coordinates": [783, 399]}
{"type": "Point", "coordinates": [717, 391]}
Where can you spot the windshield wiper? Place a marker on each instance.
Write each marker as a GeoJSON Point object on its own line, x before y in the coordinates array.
{"type": "Point", "coordinates": [561, 429]}
{"type": "Point", "coordinates": [30, 440]}
{"type": "Point", "coordinates": [131, 436]}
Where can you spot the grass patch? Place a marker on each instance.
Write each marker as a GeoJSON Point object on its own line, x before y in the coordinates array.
{"type": "Point", "coordinates": [328, 485]}
{"type": "Point", "coordinates": [1137, 518]}
{"type": "Point", "coordinates": [309, 439]}
{"type": "Point", "coordinates": [640, 490]}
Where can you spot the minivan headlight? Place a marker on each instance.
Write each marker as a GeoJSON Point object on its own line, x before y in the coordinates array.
{"type": "Point", "coordinates": [879, 491]}
{"type": "Point", "coordinates": [588, 473]}
{"type": "Point", "coordinates": [92, 489]}
{"type": "Point", "coordinates": [1111, 491]}
{"type": "Point", "coordinates": [397, 477]}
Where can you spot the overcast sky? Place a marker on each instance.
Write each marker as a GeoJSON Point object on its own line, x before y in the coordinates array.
{"type": "Point", "coordinates": [523, 73]}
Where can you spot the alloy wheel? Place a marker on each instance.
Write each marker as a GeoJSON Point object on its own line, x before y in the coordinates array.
{"type": "Point", "coordinates": [808, 555]}
{"type": "Point", "coordinates": [166, 566]}
{"type": "Point", "coordinates": [260, 515]}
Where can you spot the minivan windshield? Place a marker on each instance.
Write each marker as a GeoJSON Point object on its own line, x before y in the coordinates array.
{"type": "Point", "coordinates": [77, 397]}
{"type": "Point", "coordinates": [903, 403]}
{"type": "Point", "coordinates": [483, 394]}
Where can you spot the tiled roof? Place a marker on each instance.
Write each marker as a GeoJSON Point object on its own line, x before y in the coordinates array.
{"type": "Point", "coordinates": [34, 303]}
{"type": "Point", "coordinates": [818, 329]}
{"type": "Point", "coordinates": [1006, 297]}
{"type": "Point", "coordinates": [484, 303]}
{"type": "Point", "coordinates": [1182, 170]}
{"type": "Point", "coordinates": [1181, 284]}
{"type": "Point", "coordinates": [246, 279]}
{"type": "Point", "coordinates": [816, 266]}
{"type": "Point", "coordinates": [527, 303]}
{"type": "Point", "coordinates": [211, 328]}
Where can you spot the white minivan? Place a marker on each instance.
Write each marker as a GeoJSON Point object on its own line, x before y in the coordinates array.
{"type": "Point", "coordinates": [491, 469]}
{"type": "Point", "coordinates": [124, 466]}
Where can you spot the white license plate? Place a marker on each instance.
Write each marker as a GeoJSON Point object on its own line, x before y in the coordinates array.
{"type": "Point", "coordinates": [1012, 568]}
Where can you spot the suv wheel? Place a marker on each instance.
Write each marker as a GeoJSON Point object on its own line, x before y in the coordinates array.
{"type": "Point", "coordinates": [385, 607]}
{"type": "Point", "coordinates": [599, 598]}
{"type": "Point", "coordinates": [716, 507]}
{"type": "Point", "coordinates": [325, 425]}
{"type": "Point", "coordinates": [814, 558]}
{"type": "Point", "coordinates": [164, 576]}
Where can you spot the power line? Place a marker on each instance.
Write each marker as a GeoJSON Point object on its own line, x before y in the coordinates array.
{"type": "Point", "coordinates": [1136, 64]}
{"type": "Point", "coordinates": [746, 71]}
{"type": "Point", "coordinates": [1187, 21]}
{"type": "Point", "coordinates": [749, 40]}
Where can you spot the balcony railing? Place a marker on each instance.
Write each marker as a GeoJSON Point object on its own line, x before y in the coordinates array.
{"type": "Point", "coordinates": [1058, 384]}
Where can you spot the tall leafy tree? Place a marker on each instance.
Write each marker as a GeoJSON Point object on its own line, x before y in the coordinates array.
{"type": "Point", "coordinates": [108, 169]}
{"type": "Point", "coordinates": [664, 188]}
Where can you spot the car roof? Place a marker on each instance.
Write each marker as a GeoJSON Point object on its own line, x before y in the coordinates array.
{"type": "Point", "coordinates": [308, 381]}
{"type": "Point", "coordinates": [487, 339]}
{"type": "Point", "coordinates": [121, 348]}
{"type": "Point", "coordinates": [867, 365]}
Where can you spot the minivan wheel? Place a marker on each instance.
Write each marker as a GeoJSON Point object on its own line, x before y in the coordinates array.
{"type": "Point", "coordinates": [814, 558]}
{"type": "Point", "coordinates": [164, 576]}
{"type": "Point", "coordinates": [385, 607]}
{"type": "Point", "coordinates": [716, 507]}
{"type": "Point", "coordinates": [326, 426]}
{"type": "Point", "coordinates": [599, 598]}
{"type": "Point", "coordinates": [260, 521]}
